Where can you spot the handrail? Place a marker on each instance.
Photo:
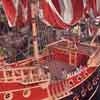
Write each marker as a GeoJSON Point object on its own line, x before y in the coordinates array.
{"type": "Point", "coordinates": [25, 61]}
{"type": "Point", "coordinates": [24, 75]}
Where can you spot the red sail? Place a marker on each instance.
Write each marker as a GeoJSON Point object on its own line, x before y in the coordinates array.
{"type": "Point", "coordinates": [61, 14]}
{"type": "Point", "coordinates": [10, 9]}
{"type": "Point", "coordinates": [94, 6]}
{"type": "Point", "coordinates": [24, 13]}
{"type": "Point", "coordinates": [17, 11]}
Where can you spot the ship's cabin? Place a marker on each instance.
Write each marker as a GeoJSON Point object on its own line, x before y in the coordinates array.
{"type": "Point", "coordinates": [67, 58]}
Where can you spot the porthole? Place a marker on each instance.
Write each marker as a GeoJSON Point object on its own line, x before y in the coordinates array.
{"type": "Point", "coordinates": [8, 96]}
{"type": "Point", "coordinates": [26, 93]}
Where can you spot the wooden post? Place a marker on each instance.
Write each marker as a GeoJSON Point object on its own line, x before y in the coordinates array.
{"type": "Point", "coordinates": [34, 31]}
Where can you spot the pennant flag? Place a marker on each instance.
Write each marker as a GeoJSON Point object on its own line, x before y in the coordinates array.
{"type": "Point", "coordinates": [18, 12]}
{"type": "Point", "coordinates": [61, 13]}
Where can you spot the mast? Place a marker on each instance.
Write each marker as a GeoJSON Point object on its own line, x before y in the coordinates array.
{"type": "Point", "coordinates": [34, 29]}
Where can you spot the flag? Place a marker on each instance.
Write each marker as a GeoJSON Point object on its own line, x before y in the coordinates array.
{"type": "Point", "coordinates": [18, 12]}
{"type": "Point", "coordinates": [61, 13]}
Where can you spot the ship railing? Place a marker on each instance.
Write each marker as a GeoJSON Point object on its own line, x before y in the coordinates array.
{"type": "Point", "coordinates": [70, 44]}
{"type": "Point", "coordinates": [62, 88]}
{"type": "Point", "coordinates": [76, 71]}
{"type": "Point", "coordinates": [24, 75]}
{"type": "Point", "coordinates": [59, 89]}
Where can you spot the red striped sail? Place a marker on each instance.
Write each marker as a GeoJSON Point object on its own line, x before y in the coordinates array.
{"type": "Point", "coordinates": [17, 11]}
{"type": "Point", "coordinates": [93, 6]}
{"type": "Point", "coordinates": [61, 13]}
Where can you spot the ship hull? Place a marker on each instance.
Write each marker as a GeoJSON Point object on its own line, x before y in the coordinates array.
{"type": "Point", "coordinates": [90, 95]}
{"type": "Point", "coordinates": [89, 92]}
{"type": "Point", "coordinates": [80, 83]}
{"type": "Point", "coordinates": [83, 91]}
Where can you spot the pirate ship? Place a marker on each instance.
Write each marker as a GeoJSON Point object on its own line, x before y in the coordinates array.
{"type": "Point", "coordinates": [67, 69]}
